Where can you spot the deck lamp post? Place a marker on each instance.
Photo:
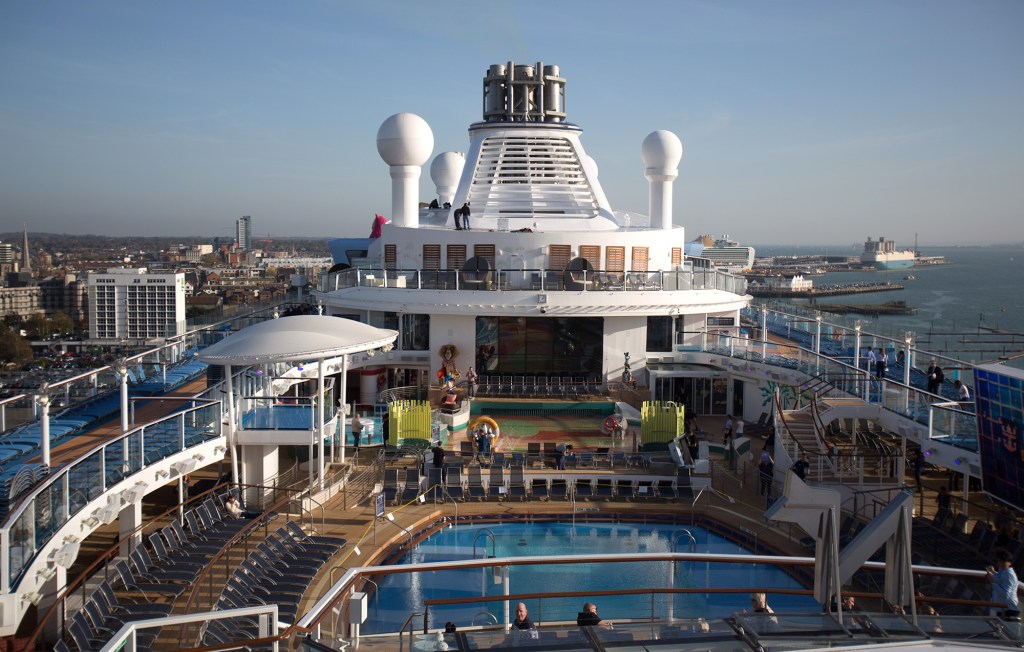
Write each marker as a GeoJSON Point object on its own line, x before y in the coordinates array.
{"type": "Point", "coordinates": [908, 341]}
{"type": "Point", "coordinates": [43, 399]}
{"type": "Point", "coordinates": [856, 345]}
{"type": "Point", "coordinates": [764, 332]}
{"type": "Point", "coordinates": [817, 344]}
{"type": "Point", "coordinates": [121, 366]}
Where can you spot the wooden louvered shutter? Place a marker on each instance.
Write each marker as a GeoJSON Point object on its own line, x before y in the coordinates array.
{"type": "Point", "coordinates": [390, 256]}
{"type": "Point", "coordinates": [431, 256]}
{"type": "Point", "coordinates": [559, 256]}
{"type": "Point", "coordinates": [677, 256]}
{"type": "Point", "coordinates": [639, 259]}
{"type": "Point", "coordinates": [615, 258]}
{"type": "Point", "coordinates": [485, 251]}
{"type": "Point", "coordinates": [456, 256]}
{"type": "Point", "coordinates": [591, 254]}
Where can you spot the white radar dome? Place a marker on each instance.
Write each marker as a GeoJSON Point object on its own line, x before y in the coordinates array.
{"type": "Point", "coordinates": [405, 139]}
{"type": "Point", "coordinates": [447, 168]}
{"type": "Point", "coordinates": [662, 149]}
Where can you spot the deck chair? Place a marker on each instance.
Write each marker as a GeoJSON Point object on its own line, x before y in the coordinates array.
{"type": "Point", "coordinates": [466, 450]}
{"type": "Point", "coordinates": [180, 542]}
{"type": "Point", "coordinates": [645, 490]}
{"type": "Point", "coordinates": [684, 489]}
{"type": "Point", "coordinates": [105, 597]}
{"type": "Point", "coordinates": [586, 460]}
{"type": "Point", "coordinates": [533, 453]}
{"type": "Point", "coordinates": [518, 459]}
{"type": "Point", "coordinates": [411, 488]}
{"type": "Point", "coordinates": [571, 461]}
{"type": "Point", "coordinates": [624, 489]}
{"type": "Point", "coordinates": [498, 459]}
{"type": "Point", "coordinates": [130, 583]}
{"type": "Point", "coordinates": [496, 482]}
{"type": "Point", "coordinates": [475, 483]}
{"type": "Point", "coordinates": [517, 483]}
{"type": "Point", "coordinates": [604, 489]}
{"type": "Point", "coordinates": [550, 453]}
{"type": "Point", "coordinates": [559, 489]}
{"type": "Point", "coordinates": [539, 488]}
{"type": "Point", "coordinates": [603, 455]}
{"type": "Point", "coordinates": [391, 485]}
{"type": "Point", "coordinates": [584, 488]}
{"type": "Point", "coordinates": [453, 484]}
{"type": "Point", "coordinates": [664, 490]}
{"type": "Point", "coordinates": [435, 484]}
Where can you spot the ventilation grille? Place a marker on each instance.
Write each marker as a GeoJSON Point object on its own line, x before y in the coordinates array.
{"type": "Point", "coordinates": [527, 176]}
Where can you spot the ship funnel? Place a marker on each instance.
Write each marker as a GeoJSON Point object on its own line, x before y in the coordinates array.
{"type": "Point", "coordinates": [661, 152]}
{"type": "Point", "coordinates": [524, 93]}
{"type": "Point", "coordinates": [405, 141]}
{"type": "Point", "coordinates": [445, 172]}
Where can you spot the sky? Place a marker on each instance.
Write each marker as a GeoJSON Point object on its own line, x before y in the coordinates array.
{"type": "Point", "coordinates": [802, 122]}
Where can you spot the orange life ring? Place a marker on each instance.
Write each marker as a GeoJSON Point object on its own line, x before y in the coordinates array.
{"type": "Point", "coordinates": [489, 421]}
{"type": "Point", "coordinates": [610, 423]}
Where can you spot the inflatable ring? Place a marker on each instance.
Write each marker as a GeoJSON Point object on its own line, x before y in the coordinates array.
{"type": "Point", "coordinates": [610, 423]}
{"type": "Point", "coordinates": [489, 421]}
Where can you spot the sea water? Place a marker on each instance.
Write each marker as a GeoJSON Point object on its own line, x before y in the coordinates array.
{"type": "Point", "coordinates": [980, 286]}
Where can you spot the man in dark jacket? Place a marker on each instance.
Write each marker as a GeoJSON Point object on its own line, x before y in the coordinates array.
{"type": "Point", "coordinates": [465, 215]}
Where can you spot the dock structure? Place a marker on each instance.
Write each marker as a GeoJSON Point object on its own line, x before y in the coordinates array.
{"type": "Point", "coordinates": [823, 291]}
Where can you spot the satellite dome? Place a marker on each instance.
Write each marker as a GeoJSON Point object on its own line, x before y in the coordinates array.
{"type": "Point", "coordinates": [405, 139]}
{"type": "Point", "coordinates": [662, 150]}
{"type": "Point", "coordinates": [447, 168]}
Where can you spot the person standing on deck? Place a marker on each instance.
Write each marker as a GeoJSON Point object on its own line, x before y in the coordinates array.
{"type": "Point", "coordinates": [357, 431]}
{"type": "Point", "coordinates": [728, 430]}
{"type": "Point", "coordinates": [935, 377]}
{"type": "Point", "coordinates": [471, 378]}
{"type": "Point", "coordinates": [1004, 585]}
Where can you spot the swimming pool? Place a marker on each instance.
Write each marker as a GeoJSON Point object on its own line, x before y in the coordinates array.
{"type": "Point", "coordinates": [400, 595]}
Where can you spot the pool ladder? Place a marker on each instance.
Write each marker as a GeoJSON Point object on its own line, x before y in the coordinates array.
{"type": "Point", "coordinates": [488, 534]}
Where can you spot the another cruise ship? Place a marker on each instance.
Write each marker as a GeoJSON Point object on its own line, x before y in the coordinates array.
{"type": "Point", "coordinates": [883, 254]}
{"type": "Point", "coordinates": [724, 252]}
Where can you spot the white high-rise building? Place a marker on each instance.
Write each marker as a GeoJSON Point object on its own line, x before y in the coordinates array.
{"type": "Point", "coordinates": [135, 304]}
{"type": "Point", "coordinates": [243, 232]}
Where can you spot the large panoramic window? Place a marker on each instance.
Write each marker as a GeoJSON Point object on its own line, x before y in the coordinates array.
{"type": "Point", "coordinates": [568, 346]}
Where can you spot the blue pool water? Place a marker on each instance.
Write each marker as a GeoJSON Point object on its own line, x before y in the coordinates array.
{"type": "Point", "coordinates": [402, 594]}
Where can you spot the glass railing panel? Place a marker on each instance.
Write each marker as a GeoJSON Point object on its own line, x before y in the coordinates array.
{"type": "Point", "coordinates": [50, 512]}
{"type": "Point", "coordinates": [117, 464]}
{"type": "Point", "coordinates": [22, 544]}
{"type": "Point", "coordinates": [85, 482]}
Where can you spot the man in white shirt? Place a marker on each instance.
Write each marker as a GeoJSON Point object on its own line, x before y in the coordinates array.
{"type": "Point", "coordinates": [962, 393]}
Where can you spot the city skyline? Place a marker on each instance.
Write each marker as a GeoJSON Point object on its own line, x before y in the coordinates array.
{"type": "Point", "coordinates": [801, 122]}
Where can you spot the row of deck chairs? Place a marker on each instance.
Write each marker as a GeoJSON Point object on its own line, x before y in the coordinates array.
{"type": "Point", "coordinates": [439, 486]}
{"type": "Point", "coordinates": [166, 567]}
{"type": "Point", "coordinates": [562, 387]}
{"type": "Point", "coordinates": [278, 571]}
{"type": "Point", "coordinates": [943, 536]}
{"type": "Point", "coordinates": [547, 456]}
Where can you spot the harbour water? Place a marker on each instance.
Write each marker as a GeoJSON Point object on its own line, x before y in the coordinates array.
{"type": "Point", "coordinates": [979, 289]}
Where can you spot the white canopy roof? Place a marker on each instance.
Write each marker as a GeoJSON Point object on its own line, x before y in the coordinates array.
{"type": "Point", "coordinates": [297, 338]}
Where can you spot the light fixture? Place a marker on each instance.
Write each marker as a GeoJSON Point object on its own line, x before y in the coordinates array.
{"type": "Point", "coordinates": [183, 466]}
{"type": "Point", "coordinates": [109, 512]}
{"type": "Point", "coordinates": [199, 457]}
{"type": "Point", "coordinates": [387, 347]}
{"type": "Point", "coordinates": [135, 493]}
{"type": "Point", "coordinates": [857, 325]}
{"type": "Point", "coordinates": [358, 551]}
{"type": "Point", "coordinates": [220, 450]}
{"type": "Point", "coordinates": [162, 475]}
{"type": "Point", "coordinates": [960, 460]}
{"type": "Point", "coordinates": [90, 521]}
{"type": "Point", "coordinates": [33, 597]}
{"type": "Point", "coordinates": [930, 452]}
{"type": "Point", "coordinates": [65, 555]}
{"type": "Point", "coordinates": [45, 573]}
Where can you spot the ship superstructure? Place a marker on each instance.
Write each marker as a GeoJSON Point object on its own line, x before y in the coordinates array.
{"type": "Point", "coordinates": [548, 278]}
{"type": "Point", "coordinates": [883, 254]}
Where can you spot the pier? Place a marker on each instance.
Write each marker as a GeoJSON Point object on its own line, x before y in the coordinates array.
{"type": "Point", "coordinates": [887, 308]}
{"type": "Point", "coordinates": [823, 291]}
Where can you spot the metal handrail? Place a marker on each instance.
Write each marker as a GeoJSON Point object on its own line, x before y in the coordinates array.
{"type": "Point", "coordinates": [489, 534]}
{"type": "Point", "coordinates": [408, 623]}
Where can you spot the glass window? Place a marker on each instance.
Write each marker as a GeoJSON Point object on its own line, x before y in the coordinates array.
{"type": "Point", "coordinates": [415, 332]}
{"type": "Point", "coordinates": [659, 333]}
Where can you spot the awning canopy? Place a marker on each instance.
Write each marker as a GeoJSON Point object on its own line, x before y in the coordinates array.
{"type": "Point", "coordinates": [295, 339]}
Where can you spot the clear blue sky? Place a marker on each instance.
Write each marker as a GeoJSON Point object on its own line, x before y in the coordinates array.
{"type": "Point", "coordinates": [802, 122]}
